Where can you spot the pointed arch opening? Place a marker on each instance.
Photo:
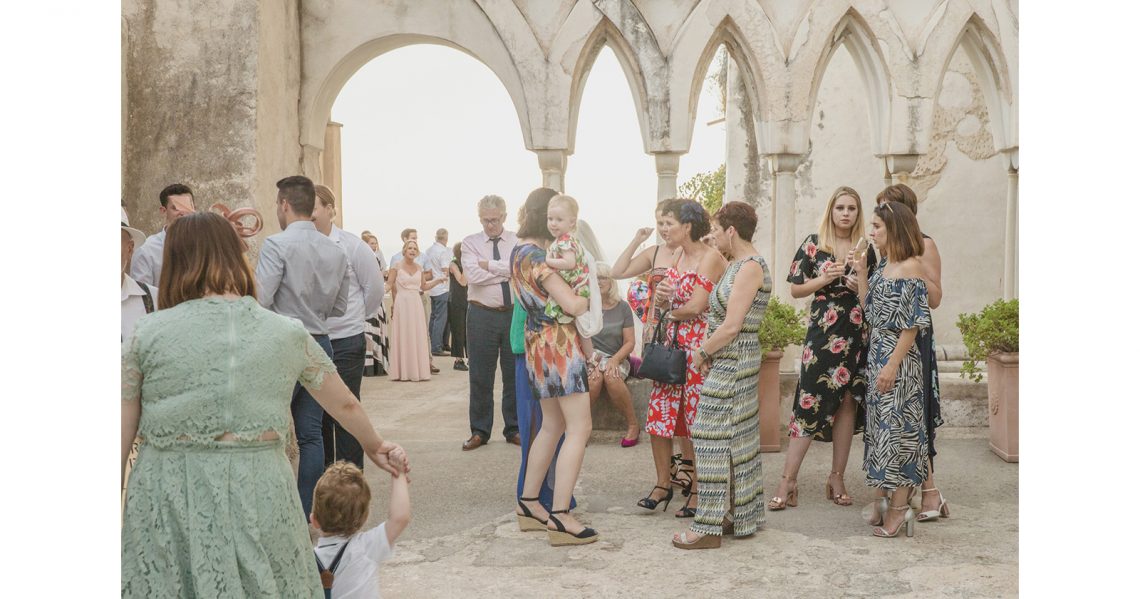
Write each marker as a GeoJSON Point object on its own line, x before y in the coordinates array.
{"type": "Point", "coordinates": [853, 34]}
{"type": "Point", "coordinates": [980, 45]}
{"type": "Point", "coordinates": [606, 35]}
{"type": "Point", "coordinates": [728, 35]}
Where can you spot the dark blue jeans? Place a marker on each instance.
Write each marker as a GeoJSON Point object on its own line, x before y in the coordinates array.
{"type": "Point", "coordinates": [307, 417]}
{"type": "Point", "coordinates": [438, 321]}
{"type": "Point", "coordinates": [348, 355]}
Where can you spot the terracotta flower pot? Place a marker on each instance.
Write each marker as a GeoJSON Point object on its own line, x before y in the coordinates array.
{"type": "Point", "coordinates": [1001, 370]}
{"type": "Point", "coordinates": [768, 391]}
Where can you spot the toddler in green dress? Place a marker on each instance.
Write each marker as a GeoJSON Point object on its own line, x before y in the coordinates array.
{"type": "Point", "coordinates": [566, 256]}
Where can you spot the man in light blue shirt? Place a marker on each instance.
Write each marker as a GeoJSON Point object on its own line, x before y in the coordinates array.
{"type": "Point", "coordinates": [437, 259]}
{"type": "Point", "coordinates": [174, 201]}
{"type": "Point", "coordinates": [303, 274]}
{"type": "Point", "coordinates": [346, 333]}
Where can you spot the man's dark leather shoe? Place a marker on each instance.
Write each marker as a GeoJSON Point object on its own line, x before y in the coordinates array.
{"type": "Point", "coordinates": [475, 442]}
{"type": "Point", "coordinates": [515, 439]}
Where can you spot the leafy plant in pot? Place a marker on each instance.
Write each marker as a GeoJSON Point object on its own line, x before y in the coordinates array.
{"type": "Point", "coordinates": [992, 335]}
{"type": "Point", "coordinates": [781, 326]}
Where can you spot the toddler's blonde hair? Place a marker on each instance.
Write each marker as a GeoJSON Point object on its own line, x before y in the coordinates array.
{"type": "Point", "coordinates": [566, 201]}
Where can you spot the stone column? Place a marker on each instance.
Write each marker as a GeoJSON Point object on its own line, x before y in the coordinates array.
{"type": "Point", "coordinates": [667, 165]}
{"type": "Point", "coordinates": [1009, 280]}
{"type": "Point", "coordinates": [742, 162]}
{"type": "Point", "coordinates": [553, 165]}
{"type": "Point", "coordinates": [330, 168]}
{"type": "Point", "coordinates": [213, 88]}
{"type": "Point", "coordinates": [784, 242]}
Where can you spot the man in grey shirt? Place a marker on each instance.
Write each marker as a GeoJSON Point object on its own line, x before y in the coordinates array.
{"type": "Point", "coordinates": [175, 201]}
{"type": "Point", "coordinates": [303, 274]}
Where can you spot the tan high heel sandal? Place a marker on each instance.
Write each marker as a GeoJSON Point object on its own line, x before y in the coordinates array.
{"type": "Point", "coordinates": [837, 498]}
{"type": "Point", "coordinates": [776, 504]}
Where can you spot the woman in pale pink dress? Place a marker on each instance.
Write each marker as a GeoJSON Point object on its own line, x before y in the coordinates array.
{"type": "Point", "coordinates": [409, 353]}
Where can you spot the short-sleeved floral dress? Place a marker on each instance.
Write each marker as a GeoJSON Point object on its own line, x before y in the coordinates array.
{"type": "Point", "coordinates": [834, 350]}
{"type": "Point", "coordinates": [895, 441]}
{"type": "Point", "coordinates": [210, 518]}
{"type": "Point", "coordinates": [555, 362]}
{"type": "Point", "coordinates": [672, 408]}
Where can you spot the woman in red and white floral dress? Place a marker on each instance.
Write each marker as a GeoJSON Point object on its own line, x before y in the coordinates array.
{"type": "Point", "coordinates": [685, 294]}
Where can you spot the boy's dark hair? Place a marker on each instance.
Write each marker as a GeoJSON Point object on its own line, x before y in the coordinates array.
{"type": "Point", "coordinates": [299, 192]}
{"type": "Point", "coordinates": [176, 189]}
{"type": "Point", "coordinates": [340, 499]}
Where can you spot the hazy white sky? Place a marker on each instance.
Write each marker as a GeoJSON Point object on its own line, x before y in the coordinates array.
{"type": "Point", "coordinates": [429, 130]}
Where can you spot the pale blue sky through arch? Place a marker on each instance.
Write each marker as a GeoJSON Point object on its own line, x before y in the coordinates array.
{"type": "Point", "coordinates": [429, 130]}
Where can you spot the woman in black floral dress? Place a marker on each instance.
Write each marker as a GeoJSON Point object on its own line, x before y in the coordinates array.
{"type": "Point", "coordinates": [828, 404]}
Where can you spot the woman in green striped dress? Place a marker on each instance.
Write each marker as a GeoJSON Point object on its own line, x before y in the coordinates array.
{"type": "Point", "coordinates": [726, 434]}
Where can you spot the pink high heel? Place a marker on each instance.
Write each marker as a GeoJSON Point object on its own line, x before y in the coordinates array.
{"type": "Point", "coordinates": [631, 442]}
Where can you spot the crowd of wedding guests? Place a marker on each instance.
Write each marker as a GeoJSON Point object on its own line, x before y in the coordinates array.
{"type": "Point", "coordinates": [225, 361]}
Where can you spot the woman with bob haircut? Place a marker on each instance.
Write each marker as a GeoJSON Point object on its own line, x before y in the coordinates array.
{"type": "Point", "coordinates": [895, 453]}
{"type": "Point", "coordinates": [933, 504]}
{"type": "Point", "coordinates": [212, 505]}
{"type": "Point", "coordinates": [726, 433]}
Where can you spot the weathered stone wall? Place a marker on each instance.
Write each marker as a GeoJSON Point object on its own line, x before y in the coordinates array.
{"type": "Point", "coordinates": [212, 88]}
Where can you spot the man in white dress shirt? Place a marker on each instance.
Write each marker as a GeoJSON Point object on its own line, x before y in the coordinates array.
{"type": "Point", "coordinates": [138, 299]}
{"type": "Point", "coordinates": [175, 201]}
{"type": "Point", "coordinates": [486, 263]}
{"type": "Point", "coordinates": [346, 333]}
{"type": "Point", "coordinates": [437, 259]}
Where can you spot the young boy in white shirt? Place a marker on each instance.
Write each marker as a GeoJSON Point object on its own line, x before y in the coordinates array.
{"type": "Point", "coordinates": [340, 509]}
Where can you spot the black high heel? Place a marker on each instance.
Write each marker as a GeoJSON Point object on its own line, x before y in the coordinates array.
{"type": "Point", "coordinates": [687, 512]}
{"type": "Point", "coordinates": [682, 478]}
{"type": "Point", "coordinates": [528, 522]}
{"type": "Point", "coordinates": [560, 537]}
{"type": "Point", "coordinates": [649, 503]}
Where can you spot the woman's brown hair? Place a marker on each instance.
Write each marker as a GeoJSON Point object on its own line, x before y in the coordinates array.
{"type": "Point", "coordinates": [904, 238]}
{"type": "Point", "coordinates": [739, 215]}
{"type": "Point", "coordinates": [532, 215]}
{"type": "Point", "coordinates": [202, 255]}
{"type": "Point", "coordinates": [899, 193]}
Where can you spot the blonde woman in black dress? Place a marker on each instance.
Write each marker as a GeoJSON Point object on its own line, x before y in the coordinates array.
{"type": "Point", "coordinates": [828, 404]}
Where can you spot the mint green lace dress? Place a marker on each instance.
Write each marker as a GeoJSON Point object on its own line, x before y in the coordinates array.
{"type": "Point", "coordinates": [208, 518]}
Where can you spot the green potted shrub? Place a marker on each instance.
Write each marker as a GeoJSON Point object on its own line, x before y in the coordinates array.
{"type": "Point", "coordinates": [992, 335]}
{"type": "Point", "coordinates": [781, 326]}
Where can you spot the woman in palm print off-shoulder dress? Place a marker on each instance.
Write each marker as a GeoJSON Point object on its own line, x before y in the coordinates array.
{"type": "Point", "coordinates": [896, 454]}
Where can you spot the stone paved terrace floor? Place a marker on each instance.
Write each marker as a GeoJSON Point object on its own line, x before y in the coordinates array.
{"type": "Point", "coordinates": [463, 539]}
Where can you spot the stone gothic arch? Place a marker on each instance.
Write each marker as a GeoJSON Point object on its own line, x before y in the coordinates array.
{"type": "Point", "coordinates": [853, 33]}
{"type": "Point", "coordinates": [983, 50]}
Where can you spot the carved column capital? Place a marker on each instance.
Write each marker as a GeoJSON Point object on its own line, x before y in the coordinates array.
{"type": "Point", "coordinates": [784, 163]}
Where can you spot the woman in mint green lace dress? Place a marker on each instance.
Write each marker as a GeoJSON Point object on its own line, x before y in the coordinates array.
{"type": "Point", "coordinates": [212, 507]}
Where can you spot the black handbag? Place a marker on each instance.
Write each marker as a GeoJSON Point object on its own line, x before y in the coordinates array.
{"type": "Point", "coordinates": [663, 362]}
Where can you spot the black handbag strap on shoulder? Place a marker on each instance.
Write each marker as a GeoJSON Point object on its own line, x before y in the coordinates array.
{"type": "Point", "coordinates": [327, 573]}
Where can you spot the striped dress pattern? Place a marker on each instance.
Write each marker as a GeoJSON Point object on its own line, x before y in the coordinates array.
{"type": "Point", "coordinates": [895, 439]}
{"type": "Point", "coordinates": [726, 433]}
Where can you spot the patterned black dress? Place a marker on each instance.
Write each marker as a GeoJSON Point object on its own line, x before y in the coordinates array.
{"type": "Point", "coordinates": [895, 441]}
{"type": "Point", "coordinates": [834, 350]}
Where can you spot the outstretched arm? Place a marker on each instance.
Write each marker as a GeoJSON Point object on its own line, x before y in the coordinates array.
{"type": "Point", "coordinates": [626, 265]}
{"type": "Point", "coordinates": [399, 508]}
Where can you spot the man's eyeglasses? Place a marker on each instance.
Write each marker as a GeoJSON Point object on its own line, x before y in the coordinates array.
{"type": "Point", "coordinates": [491, 221]}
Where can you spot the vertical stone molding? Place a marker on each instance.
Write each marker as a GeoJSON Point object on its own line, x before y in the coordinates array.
{"type": "Point", "coordinates": [667, 164]}
{"type": "Point", "coordinates": [784, 242]}
{"type": "Point", "coordinates": [1009, 280]}
{"type": "Point", "coordinates": [553, 166]}
{"type": "Point", "coordinates": [330, 168]}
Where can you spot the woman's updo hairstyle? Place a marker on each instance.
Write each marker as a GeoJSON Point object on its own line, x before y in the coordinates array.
{"type": "Point", "coordinates": [691, 212]}
{"type": "Point", "coordinates": [738, 215]}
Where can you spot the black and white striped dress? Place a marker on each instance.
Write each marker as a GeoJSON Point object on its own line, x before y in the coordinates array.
{"type": "Point", "coordinates": [895, 439]}
{"type": "Point", "coordinates": [726, 432]}
{"type": "Point", "coordinates": [376, 335]}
